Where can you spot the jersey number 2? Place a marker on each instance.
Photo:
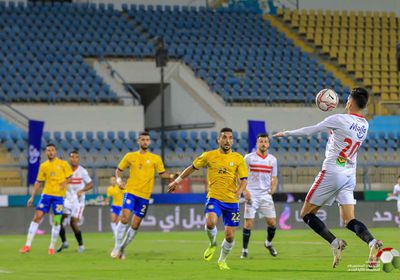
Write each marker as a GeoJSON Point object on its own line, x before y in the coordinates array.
{"type": "Point", "coordinates": [354, 148]}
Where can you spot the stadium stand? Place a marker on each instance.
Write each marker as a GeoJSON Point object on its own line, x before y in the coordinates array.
{"type": "Point", "coordinates": [237, 52]}
{"type": "Point", "coordinates": [364, 43]}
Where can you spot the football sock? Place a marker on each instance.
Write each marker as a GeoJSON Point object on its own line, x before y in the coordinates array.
{"type": "Point", "coordinates": [212, 235]}
{"type": "Point", "coordinates": [130, 235]}
{"type": "Point", "coordinates": [62, 234]}
{"type": "Point", "coordinates": [121, 228]}
{"type": "Point", "coordinates": [55, 231]}
{"type": "Point", "coordinates": [271, 233]}
{"type": "Point", "coordinates": [114, 228]}
{"type": "Point", "coordinates": [319, 227]}
{"type": "Point", "coordinates": [31, 233]}
{"type": "Point", "coordinates": [226, 248]}
{"type": "Point", "coordinates": [246, 237]}
{"type": "Point", "coordinates": [361, 230]}
{"type": "Point", "coordinates": [78, 236]}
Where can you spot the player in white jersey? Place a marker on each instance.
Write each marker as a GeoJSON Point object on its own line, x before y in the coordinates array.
{"type": "Point", "coordinates": [261, 185]}
{"type": "Point", "coordinates": [74, 203]}
{"type": "Point", "coordinates": [396, 194]}
{"type": "Point", "coordinates": [337, 180]}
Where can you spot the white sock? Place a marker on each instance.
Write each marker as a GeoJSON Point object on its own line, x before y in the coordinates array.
{"type": "Point", "coordinates": [114, 229]}
{"type": "Point", "coordinates": [226, 248]}
{"type": "Point", "coordinates": [335, 243]}
{"type": "Point", "coordinates": [121, 228]}
{"type": "Point", "coordinates": [130, 235]}
{"type": "Point", "coordinates": [31, 233]}
{"type": "Point", "coordinates": [212, 235]}
{"type": "Point", "coordinates": [55, 231]}
{"type": "Point", "coordinates": [372, 243]}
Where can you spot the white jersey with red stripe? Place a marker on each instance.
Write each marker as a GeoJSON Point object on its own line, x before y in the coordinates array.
{"type": "Point", "coordinates": [261, 170]}
{"type": "Point", "coordinates": [347, 133]}
{"type": "Point", "coordinates": [80, 178]}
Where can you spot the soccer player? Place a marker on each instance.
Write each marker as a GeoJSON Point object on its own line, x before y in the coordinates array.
{"type": "Point", "coordinates": [224, 168]}
{"type": "Point", "coordinates": [261, 186]}
{"type": "Point", "coordinates": [139, 187]}
{"type": "Point", "coordinates": [337, 179]}
{"type": "Point", "coordinates": [56, 174]}
{"type": "Point", "coordinates": [117, 195]}
{"type": "Point", "coordinates": [74, 203]}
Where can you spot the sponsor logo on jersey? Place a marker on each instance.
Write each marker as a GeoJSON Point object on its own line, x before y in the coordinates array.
{"type": "Point", "coordinates": [361, 130]}
{"type": "Point", "coordinates": [341, 161]}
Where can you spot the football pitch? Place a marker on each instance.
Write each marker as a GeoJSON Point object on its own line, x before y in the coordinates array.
{"type": "Point", "coordinates": [178, 255]}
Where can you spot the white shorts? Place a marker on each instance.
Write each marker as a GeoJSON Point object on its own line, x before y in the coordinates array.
{"type": "Point", "coordinates": [74, 208]}
{"type": "Point", "coordinates": [263, 205]}
{"type": "Point", "coordinates": [329, 187]}
{"type": "Point", "coordinates": [398, 205]}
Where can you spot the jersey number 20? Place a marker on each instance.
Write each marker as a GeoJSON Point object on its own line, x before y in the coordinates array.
{"type": "Point", "coordinates": [354, 148]}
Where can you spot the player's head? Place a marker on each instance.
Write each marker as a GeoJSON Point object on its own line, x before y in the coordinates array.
{"type": "Point", "coordinates": [357, 100]}
{"type": "Point", "coordinates": [262, 142]}
{"type": "Point", "coordinates": [225, 139]}
{"type": "Point", "coordinates": [113, 180]}
{"type": "Point", "coordinates": [51, 151]}
{"type": "Point", "coordinates": [74, 158]}
{"type": "Point", "coordinates": [144, 140]}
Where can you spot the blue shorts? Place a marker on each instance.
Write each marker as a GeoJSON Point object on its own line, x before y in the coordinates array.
{"type": "Point", "coordinates": [230, 211]}
{"type": "Point", "coordinates": [56, 203]}
{"type": "Point", "coordinates": [115, 210]}
{"type": "Point", "coordinates": [135, 204]}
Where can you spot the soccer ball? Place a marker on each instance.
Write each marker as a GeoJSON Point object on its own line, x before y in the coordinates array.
{"type": "Point", "coordinates": [327, 99]}
{"type": "Point", "coordinates": [390, 259]}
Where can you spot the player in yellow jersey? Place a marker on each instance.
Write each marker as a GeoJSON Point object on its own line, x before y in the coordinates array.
{"type": "Point", "coordinates": [115, 193]}
{"type": "Point", "coordinates": [139, 186]}
{"type": "Point", "coordinates": [224, 168]}
{"type": "Point", "coordinates": [56, 174]}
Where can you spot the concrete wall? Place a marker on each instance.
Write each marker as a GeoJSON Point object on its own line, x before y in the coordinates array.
{"type": "Point", "coordinates": [189, 100]}
{"type": "Point", "coordinates": [83, 118]}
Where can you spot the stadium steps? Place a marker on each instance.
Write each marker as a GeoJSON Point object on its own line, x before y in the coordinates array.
{"type": "Point", "coordinates": [9, 176]}
{"type": "Point", "coordinates": [310, 48]}
{"type": "Point", "coordinates": [346, 78]}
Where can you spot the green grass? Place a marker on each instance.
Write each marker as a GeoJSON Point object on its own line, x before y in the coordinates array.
{"type": "Point", "coordinates": [178, 255]}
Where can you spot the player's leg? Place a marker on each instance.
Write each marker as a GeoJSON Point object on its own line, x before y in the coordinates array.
{"type": "Point", "coordinates": [249, 215]}
{"type": "Point", "coordinates": [347, 202]}
{"type": "Point", "coordinates": [212, 212]}
{"type": "Point", "coordinates": [271, 229]}
{"type": "Point", "coordinates": [115, 213]}
{"type": "Point", "coordinates": [57, 207]}
{"type": "Point", "coordinates": [32, 231]}
{"type": "Point", "coordinates": [64, 244]}
{"type": "Point", "coordinates": [127, 208]}
{"type": "Point", "coordinates": [78, 233]}
{"type": "Point", "coordinates": [231, 218]}
{"type": "Point", "coordinates": [267, 210]}
{"type": "Point", "coordinates": [248, 226]}
{"type": "Point", "coordinates": [139, 209]}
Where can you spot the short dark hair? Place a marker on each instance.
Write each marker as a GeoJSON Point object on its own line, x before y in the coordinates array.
{"type": "Point", "coordinates": [51, 145]}
{"type": "Point", "coordinates": [263, 135]}
{"type": "Point", "coordinates": [74, 152]}
{"type": "Point", "coordinates": [360, 96]}
{"type": "Point", "coordinates": [144, 133]}
{"type": "Point", "coordinates": [225, 129]}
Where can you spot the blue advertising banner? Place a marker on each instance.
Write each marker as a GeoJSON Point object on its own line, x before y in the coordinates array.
{"type": "Point", "coordinates": [34, 144]}
{"type": "Point", "coordinates": [255, 128]}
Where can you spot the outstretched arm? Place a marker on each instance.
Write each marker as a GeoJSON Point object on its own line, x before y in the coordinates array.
{"type": "Point", "coordinates": [189, 170]}
{"type": "Point", "coordinates": [328, 123]}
